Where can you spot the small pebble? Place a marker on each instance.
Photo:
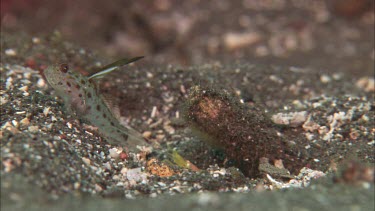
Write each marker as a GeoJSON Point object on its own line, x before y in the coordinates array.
{"type": "Point", "coordinates": [136, 174]}
{"type": "Point", "coordinates": [114, 153]}
{"type": "Point", "coordinates": [25, 121]}
{"type": "Point", "coordinates": [98, 188]}
{"type": "Point", "coordinates": [10, 52]}
{"type": "Point", "coordinates": [149, 75]}
{"type": "Point", "coordinates": [46, 111]}
{"type": "Point", "coordinates": [27, 75]}
{"type": "Point", "coordinates": [53, 119]}
{"type": "Point", "coordinates": [3, 100]}
{"type": "Point", "coordinates": [147, 134]}
{"type": "Point", "coordinates": [15, 123]}
{"type": "Point", "coordinates": [325, 79]}
{"type": "Point", "coordinates": [41, 83]}
{"type": "Point", "coordinates": [124, 171]}
{"type": "Point", "coordinates": [86, 161]}
{"type": "Point", "coordinates": [107, 165]}
{"type": "Point", "coordinates": [76, 185]}
{"type": "Point", "coordinates": [235, 41]}
{"type": "Point", "coordinates": [293, 119]}
{"type": "Point", "coordinates": [36, 40]}
{"type": "Point", "coordinates": [33, 129]}
{"type": "Point", "coordinates": [8, 83]}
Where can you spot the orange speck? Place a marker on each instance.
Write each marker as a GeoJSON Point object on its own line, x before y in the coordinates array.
{"type": "Point", "coordinates": [161, 170]}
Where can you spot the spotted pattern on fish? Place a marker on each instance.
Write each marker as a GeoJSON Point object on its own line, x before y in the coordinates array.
{"type": "Point", "coordinates": [81, 96]}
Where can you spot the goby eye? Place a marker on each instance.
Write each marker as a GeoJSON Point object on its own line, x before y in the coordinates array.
{"type": "Point", "coordinates": [64, 68]}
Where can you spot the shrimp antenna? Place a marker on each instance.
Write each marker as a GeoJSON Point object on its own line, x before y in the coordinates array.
{"type": "Point", "coordinates": [113, 66]}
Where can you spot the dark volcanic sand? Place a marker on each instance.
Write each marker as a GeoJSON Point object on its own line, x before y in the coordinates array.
{"type": "Point", "coordinates": [50, 159]}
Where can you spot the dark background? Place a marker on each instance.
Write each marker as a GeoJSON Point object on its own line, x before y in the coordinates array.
{"type": "Point", "coordinates": [322, 34]}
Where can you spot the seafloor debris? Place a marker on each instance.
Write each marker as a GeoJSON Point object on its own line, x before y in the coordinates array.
{"type": "Point", "coordinates": [302, 180]}
{"type": "Point", "coordinates": [293, 119]}
{"type": "Point", "coordinates": [277, 171]}
{"type": "Point", "coordinates": [160, 169]}
{"type": "Point", "coordinates": [136, 175]}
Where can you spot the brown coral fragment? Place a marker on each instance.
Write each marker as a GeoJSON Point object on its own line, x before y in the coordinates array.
{"type": "Point", "coordinates": [243, 132]}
